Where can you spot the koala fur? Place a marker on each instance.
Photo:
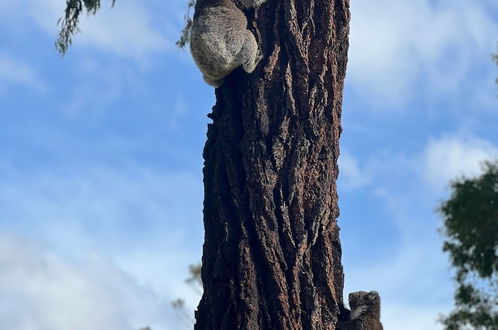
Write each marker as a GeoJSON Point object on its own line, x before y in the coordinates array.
{"type": "Point", "coordinates": [364, 314]}
{"type": "Point", "coordinates": [220, 41]}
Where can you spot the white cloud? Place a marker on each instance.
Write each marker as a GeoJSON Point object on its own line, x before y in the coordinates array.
{"type": "Point", "coordinates": [13, 71]}
{"type": "Point", "coordinates": [435, 164]}
{"type": "Point", "coordinates": [148, 224]}
{"type": "Point", "coordinates": [351, 176]}
{"type": "Point", "coordinates": [450, 157]}
{"type": "Point", "coordinates": [131, 29]}
{"type": "Point", "coordinates": [40, 290]}
{"type": "Point", "coordinates": [399, 48]}
{"type": "Point", "coordinates": [126, 30]}
{"type": "Point", "coordinates": [177, 113]}
{"type": "Point", "coordinates": [409, 317]}
{"type": "Point", "coordinates": [109, 207]}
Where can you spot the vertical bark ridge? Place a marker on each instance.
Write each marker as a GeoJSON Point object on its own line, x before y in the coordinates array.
{"type": "Point", "coordinates": [272, 254]}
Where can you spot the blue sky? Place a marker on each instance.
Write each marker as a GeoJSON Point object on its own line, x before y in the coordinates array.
{"type": "Point", "coordinates": [100, 169]}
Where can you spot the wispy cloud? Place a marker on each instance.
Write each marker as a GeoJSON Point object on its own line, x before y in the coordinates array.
{"type": "Point", "coordinates": [177, 112]}
{"type": "Point", "coordinates": [407, 317]}
{"type": "Point", "coordinates": [402, 50]}
{"type": "Point", "coordinates": [431, 167]}
{"type": "Point", "coordinates": [41, 290]}
{"type": "Point", "coordinates": [126, 30]}
{"type": "Point", "coordinates": [113, 203]}
{"type": "Point", "coordinates": [351, 175]}
{"type": "Point", "coordinates": [144, 224]}
{"type": "Point", "coordinates": [451, 157]}
{"type": "Point", "coordinates": [16, 72]}
{"type": "Point", "coordinates": [129, 30]}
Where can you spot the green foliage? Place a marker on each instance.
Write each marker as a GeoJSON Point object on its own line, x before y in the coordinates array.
{"type": "Point", "coordinates": [471, 228]}
{"type": "Point", "coordinates": [185, 36]}
{"type": "Point", "coordinates": [69, 22]}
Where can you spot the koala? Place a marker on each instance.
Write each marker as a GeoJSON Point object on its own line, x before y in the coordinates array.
{"type": "Point", "coordinates": [364, 314]}
{"type": "Point", "coordinates": [220, 41]}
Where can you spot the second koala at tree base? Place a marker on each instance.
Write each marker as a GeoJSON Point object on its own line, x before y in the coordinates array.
{"type": "Point", "coordinates": [220, 41]}
{"type": "Point", "coordinates": [364, 314]}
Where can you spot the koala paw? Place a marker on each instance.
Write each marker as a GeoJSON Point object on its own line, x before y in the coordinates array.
{"type": "Point", "coordinates": [250, 66]}
{"type": "Point", "coordinates": [358, 311]}
{"type": "Point", "coordinates": [258, 58]}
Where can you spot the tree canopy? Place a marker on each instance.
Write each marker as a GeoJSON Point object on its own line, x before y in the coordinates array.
{"type": "Point", "coordinates": [470, 218]}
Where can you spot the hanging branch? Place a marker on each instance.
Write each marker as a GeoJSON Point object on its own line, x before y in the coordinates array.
{"type": "Point", "coordinates": [69, 22]}
{"type": "Point", "coordinates": [185, 36]}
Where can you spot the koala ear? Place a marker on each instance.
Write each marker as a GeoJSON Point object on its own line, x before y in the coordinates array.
{"type": "Point", "coordinates": [373, 295]}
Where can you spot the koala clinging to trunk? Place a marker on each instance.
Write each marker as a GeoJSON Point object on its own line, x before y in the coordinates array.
{"type": "Point", "coordinates": [220, 41]}
{"type": "Point", "coordinates": [364, 314]}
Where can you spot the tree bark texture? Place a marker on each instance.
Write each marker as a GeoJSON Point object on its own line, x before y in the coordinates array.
{"type": "Point", "coordinates": [272, 255]}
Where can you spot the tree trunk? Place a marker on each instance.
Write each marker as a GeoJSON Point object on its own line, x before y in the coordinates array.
{"type": "Point", "coordinates": [272, 255]}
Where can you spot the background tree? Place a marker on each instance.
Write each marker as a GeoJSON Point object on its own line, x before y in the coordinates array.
{"type": "Point", "coordinates": [272, 255]}
{"type": "Point", "coordinates": [195, 282]}
{"type": "Point", "coordinates": [470, 218]}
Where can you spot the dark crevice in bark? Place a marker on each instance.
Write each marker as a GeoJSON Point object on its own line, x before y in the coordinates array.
{"type": "Point", "coordinates": [272, 255]}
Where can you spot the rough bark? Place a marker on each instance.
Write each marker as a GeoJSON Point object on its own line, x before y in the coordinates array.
{"type": "Point", "coordinates": [272, 255]}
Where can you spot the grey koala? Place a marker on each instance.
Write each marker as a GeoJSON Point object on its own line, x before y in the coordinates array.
{"type": "Point", "coordinates": [364, 314]}
{"type": "Point", "coordinates": [220, 41]}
